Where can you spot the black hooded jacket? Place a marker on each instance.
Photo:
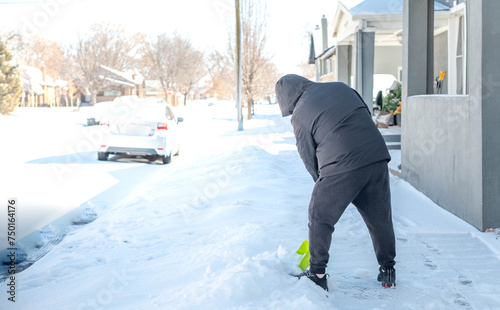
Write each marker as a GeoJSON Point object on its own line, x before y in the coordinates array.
{"type": "Point", "coordinates": [333, 127]}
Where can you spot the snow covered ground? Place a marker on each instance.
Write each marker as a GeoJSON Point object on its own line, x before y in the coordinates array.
{"type": "Point", "coordinates": [217, 228]}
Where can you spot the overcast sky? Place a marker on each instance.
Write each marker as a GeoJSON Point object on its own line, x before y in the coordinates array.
{"type": "Point", "coordinates": [206, 22]}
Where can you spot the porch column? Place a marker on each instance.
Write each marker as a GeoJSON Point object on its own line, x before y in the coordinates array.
{"type": "Point", "coordinates": [343, 63]}
{"type": "Point", "coordinates": [365, 55]}
{"type": "Point", "coordinates": [484, 76]}
{"type": "Point", "coordinates": [418, 48]}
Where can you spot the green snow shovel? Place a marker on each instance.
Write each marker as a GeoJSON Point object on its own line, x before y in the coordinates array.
{"type": "Point", "coordinates": [304, 250]}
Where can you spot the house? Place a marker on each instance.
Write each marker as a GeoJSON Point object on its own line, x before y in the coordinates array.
{"type": "Point", "coordinates": [41, 89]}
{"type": "Point", "coordinates": [367, 40]}
{"type": "Point", "coordinates": [326, 61]}
{"type": "Point", "coordinates": [451, 142]}
{"type": "Point", "coordinates": [451, 137]}
{"type": "Point", "coordinates": [133, 83]}
{"type": "Point", "coordinates": [120, 84]}
{"type": "Point", "coordinates": [153, 88]}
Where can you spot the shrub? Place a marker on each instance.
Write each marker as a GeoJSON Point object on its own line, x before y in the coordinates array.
{"type": "Point", "coordinates": [391, 100]}
{"type": "Point", "coordinates": [10, 85]}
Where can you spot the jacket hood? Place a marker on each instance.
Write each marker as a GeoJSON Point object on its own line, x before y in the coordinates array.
{"type": "Point", "coordinates": [289, 89]}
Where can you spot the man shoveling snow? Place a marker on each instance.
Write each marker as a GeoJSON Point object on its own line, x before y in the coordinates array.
{"type": "Point", "coordinates": [347, 157]}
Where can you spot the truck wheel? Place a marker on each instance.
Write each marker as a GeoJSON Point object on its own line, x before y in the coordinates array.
{"type": "Point", "coordinates": [166, 159]}
{"type": "Point", "coordinates": [102, 155]}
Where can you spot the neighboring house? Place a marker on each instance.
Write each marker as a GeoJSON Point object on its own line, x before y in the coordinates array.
{"type": "Point", "coordinates": [450, 141]}
{"type": "Point", "coordinates": [326, 60]}
{"type": "Point", "coordinates": [120, 84]}
{"type": "Point", "coordinates": [133, 83]}
{"type": "Point", "coordinates": [367, 40]}
{"type": "Point", "coordinates": [325, 65]}
{"type": "Point", "coordinates": [40, 89]}
{"type": "Point", "coordinates": [153, 88]}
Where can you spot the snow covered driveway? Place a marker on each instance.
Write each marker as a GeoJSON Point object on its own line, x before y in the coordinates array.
{"type": "Point", "coordinates": [218, 227]}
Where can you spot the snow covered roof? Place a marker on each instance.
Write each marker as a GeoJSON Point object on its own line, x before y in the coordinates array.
{"type": "Point", "coordinates": [130, 76]}
{"type": "Point", "coordinates": [369, 7]}
{"type": "Point", "coordinates": [327, 53]}
{"type": "Point", "coordinates": [61, 83]}
{"type": "Point", "coordinates": [152, 83]}
{"type": "Point", "coordinates": [32, 86]}
{"type": "Point", "coordinates": [32, 79]}
{"type": "Point", "coordinates": [30, 73]}
{"type": "Point", "coordinates": [49, 81]}
{"type": "Point", "coordinates": [119, 81]}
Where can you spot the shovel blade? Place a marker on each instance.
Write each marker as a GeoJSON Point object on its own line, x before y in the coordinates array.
{"type": "Point", "coordinates": [304, 250]}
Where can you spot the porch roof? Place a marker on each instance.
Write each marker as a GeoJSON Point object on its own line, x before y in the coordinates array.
{"type": "Point", "coordinates": [384, 7]}
{"type": "Point", "coordinates": [385, 18]}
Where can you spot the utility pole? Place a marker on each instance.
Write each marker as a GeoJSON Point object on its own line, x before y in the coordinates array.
{"type": "Point", "coordinates": [238, 65]}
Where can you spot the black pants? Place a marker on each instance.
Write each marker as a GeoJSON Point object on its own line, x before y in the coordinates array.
{"type": "Point", "coordinates": [368, 189]}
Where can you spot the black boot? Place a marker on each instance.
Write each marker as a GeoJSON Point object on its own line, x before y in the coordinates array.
{"type": "Point", "coordinates": [313, 277]}
{"type": "Point", "coordinates": [387, 276]}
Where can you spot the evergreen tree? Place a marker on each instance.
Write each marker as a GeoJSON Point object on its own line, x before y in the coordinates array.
{"type": "Point", "coordinates": [10, 85]}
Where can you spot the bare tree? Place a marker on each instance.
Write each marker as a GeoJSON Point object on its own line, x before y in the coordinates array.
{"type": "Point", "coordinates": [105, 44]}
{"type": "Point", "coordinates": [221, 73]}
{"type": "Point", "coordinates": [265, 80]}
{"type": "Point", "coordinates": [158, 53]}
{"type": "Point", "coordinates": [308, 70]}
{"type": "Point", "coordinates": [258, 72]}
{"type": "Point", "coordinates": [37, 52]}
{"type": "Point", "coordinates": [175, 62]}
{"type": "Point", "coordinates": [191, 72]}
